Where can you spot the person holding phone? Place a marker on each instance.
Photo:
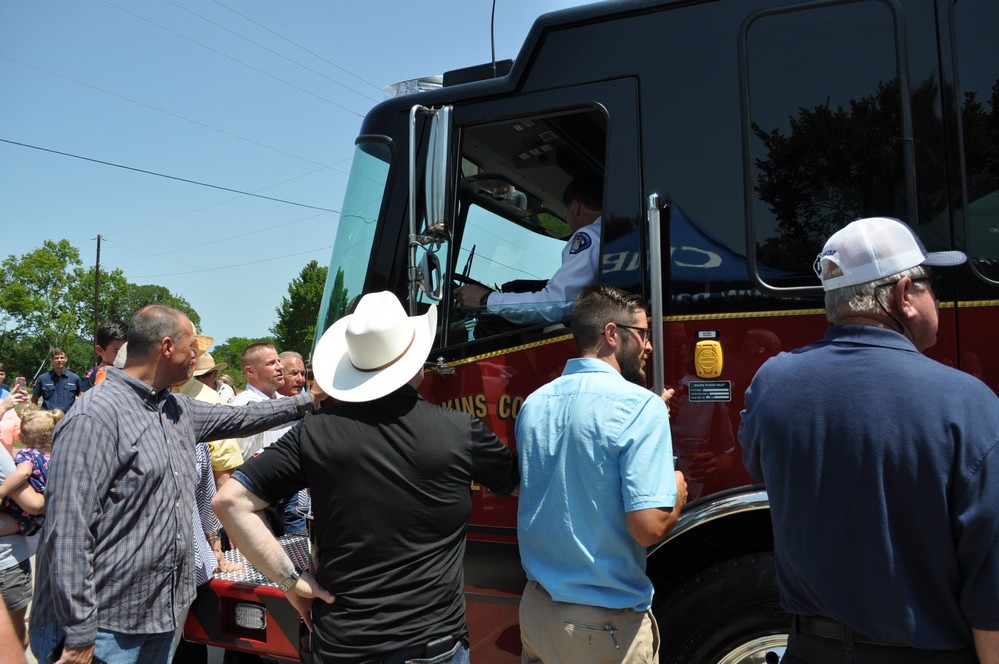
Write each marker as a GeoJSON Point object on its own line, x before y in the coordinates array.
{"type": "Point", "coordinates": [10, 417]}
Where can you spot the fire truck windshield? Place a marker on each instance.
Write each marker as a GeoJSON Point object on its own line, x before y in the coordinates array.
{"type": "Point", "coordinates": [355, 231]}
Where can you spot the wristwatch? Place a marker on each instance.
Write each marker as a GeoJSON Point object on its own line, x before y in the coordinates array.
{"type": "Point", "coordinates": [288, 581]}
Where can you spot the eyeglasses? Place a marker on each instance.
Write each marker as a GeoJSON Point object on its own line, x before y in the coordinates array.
{"type": "Point", "coordinates": [935, 281]}
{"type": "Point", "coordinates": [644, 332]}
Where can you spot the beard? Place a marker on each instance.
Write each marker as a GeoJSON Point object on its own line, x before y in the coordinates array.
{"type": "Point", "coordinates": [631, 360]}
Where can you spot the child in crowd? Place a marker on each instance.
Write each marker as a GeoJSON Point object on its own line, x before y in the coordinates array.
{"type": "Point", "coordinates": [32, 466]}
{"type": "Point", "coordinates": [109, 339]}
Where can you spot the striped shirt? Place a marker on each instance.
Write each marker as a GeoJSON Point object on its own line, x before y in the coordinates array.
{"type": "Point", "coordinates": [116, 553]}
{"type": "Point", "coordinates": [204, 518]}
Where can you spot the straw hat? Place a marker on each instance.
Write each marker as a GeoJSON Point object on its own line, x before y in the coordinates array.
{"type": "Point", "coordinates": [373, 351]}
{"type": "Point", "coordinates": [204, 343]}
{"type": "Point", "coordinates": [206, 364]}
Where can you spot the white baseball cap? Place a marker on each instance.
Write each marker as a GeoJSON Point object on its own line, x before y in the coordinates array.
{"type": "Point", "coordinates": [869, 249]}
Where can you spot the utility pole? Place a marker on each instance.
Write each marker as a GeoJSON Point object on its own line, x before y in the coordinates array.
{"type": "Point", "coordinates": [97, 295]}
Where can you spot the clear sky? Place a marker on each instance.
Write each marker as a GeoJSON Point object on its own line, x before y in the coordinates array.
{"type": "Point", "coordinates": [259, 97]}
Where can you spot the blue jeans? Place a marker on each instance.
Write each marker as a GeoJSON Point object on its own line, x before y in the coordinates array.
{"type": "Point", "coordinates": [294, 522]}
{"type": "Point", "coordinates": [109, 647]}
{"type": "Point", "coordinates": [457, 655]}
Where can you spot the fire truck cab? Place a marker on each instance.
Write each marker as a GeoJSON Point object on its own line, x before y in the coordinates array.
{"type": "Point", "coordinates": [732, 138]}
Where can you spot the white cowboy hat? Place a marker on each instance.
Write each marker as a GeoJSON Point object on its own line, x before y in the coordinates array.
{"type": "Point", "coordinates": [373, 351]}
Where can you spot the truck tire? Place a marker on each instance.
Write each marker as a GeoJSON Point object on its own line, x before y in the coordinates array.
{"type": "Point", "coordinates": [728, 613]}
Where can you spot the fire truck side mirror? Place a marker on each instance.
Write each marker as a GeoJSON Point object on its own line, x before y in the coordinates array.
{"type": "Point", "coordinates": [428, 276]}
{"type": "Point", "coordinates": [436, 172]}
{"type": "Point", "coordinates": [425, 271]}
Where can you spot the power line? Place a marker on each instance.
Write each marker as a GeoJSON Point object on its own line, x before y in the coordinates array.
{"type": "Point", "coordinates": [242, 281]}
{"type": "Point", "coordinates": [270, 50]}
{"type": "Point", "coordinates": [242, 234]}
{"type": "Point", "coordinates": [227, 267]}
{"type": "Point", "coordinates": [208, 207]}
{"type": "Point", "coordinates": [163, 175]}
{"type": "Point", "coordinates": [160, 110]}
{"type": "Point", "coordinates": [229, 57]}
{"type": "Point", "coordinates": [293, 43]}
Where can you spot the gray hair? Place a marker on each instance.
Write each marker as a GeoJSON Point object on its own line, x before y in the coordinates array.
{"type": "Point", "coordinates": [861, 299]}
{"type": "Point", "coordinates": [150, 325]}
{"type": "Point", "coordinates": [291, 353]}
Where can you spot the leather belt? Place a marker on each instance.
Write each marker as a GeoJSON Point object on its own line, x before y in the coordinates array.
{"type": "Point", "coordinates": [828, 628]}
{"type": "Point", "coordinates": [434, 648]}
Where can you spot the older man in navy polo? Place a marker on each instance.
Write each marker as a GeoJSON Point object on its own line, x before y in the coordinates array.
{"type": "Point", "coordinates": [58, 388]}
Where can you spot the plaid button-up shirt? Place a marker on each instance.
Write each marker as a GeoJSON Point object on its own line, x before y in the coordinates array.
{"type": "Point", "coordinates": [115, 553]}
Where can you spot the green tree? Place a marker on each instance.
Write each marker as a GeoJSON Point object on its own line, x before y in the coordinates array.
{"type": "Point", "coordinates": [35, 290]}
{"type": "Point", "coordinates": [336, 307]}
{"type": "Point", "coordinates": [296, 324]}
{"type": "Point", "coordinates": [142, 296]}
{"type": "Point", "coordinates": [114, 287]}
{"type": "Point", "coordinates": [47, 299]}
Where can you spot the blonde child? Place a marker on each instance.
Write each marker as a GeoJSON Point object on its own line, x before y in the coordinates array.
{"type": "Point", "coordinates": [32, 467]}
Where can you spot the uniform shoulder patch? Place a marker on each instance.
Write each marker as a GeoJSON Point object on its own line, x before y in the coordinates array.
{"type": "Point", "coordinates": [580, 242]}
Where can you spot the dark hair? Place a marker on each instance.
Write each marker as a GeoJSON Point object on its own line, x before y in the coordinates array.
{"type": "Point", "coordinates": [598, 305]}
{"type": "Point", "coordinates": [56, 351]}
{"type": "Point", "coordinates": [109, 332]}
{"type": "Point", "coordinates": [587, 190]}
{"type": "Point", "coordinates": [149, 326]}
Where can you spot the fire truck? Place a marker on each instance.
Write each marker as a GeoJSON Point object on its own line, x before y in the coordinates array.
{"type": "Point", "coordinates": [732, 138]}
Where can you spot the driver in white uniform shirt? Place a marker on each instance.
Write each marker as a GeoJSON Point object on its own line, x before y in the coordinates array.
{"type": "Point", "coordinates": [583, 200]}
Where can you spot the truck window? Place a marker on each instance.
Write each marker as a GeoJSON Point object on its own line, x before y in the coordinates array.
{"type": "Point", "coordinates": [826, 134]}
{"type": "Point", "coordinates": [978, 78]}
{"type": "Point", "coordinates": [499, 252]}
{"type": "Point", "coordinates": [510, 229]}
{"type": "Point", "coordinates": [355, 233]}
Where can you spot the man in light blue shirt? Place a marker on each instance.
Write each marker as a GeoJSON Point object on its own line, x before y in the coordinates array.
{"type": "Point", "coordinates": [597, 488]}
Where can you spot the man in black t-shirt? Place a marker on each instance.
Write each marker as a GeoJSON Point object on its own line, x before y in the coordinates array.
{"type": "Point", "coordinates": [389, 476]}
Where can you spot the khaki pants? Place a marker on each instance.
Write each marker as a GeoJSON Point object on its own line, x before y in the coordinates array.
{"type": "Point", "coordinates": [561, 633]}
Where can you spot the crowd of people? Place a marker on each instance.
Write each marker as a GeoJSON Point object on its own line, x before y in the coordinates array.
{"type": "Point", "coordinates": [29, 419]}
{"type": "Point", "coordinates": [153, 465]}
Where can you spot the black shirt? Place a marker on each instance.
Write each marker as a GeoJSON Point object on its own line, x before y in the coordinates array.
{"type": "Point", "coordinates": [390, 482]}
